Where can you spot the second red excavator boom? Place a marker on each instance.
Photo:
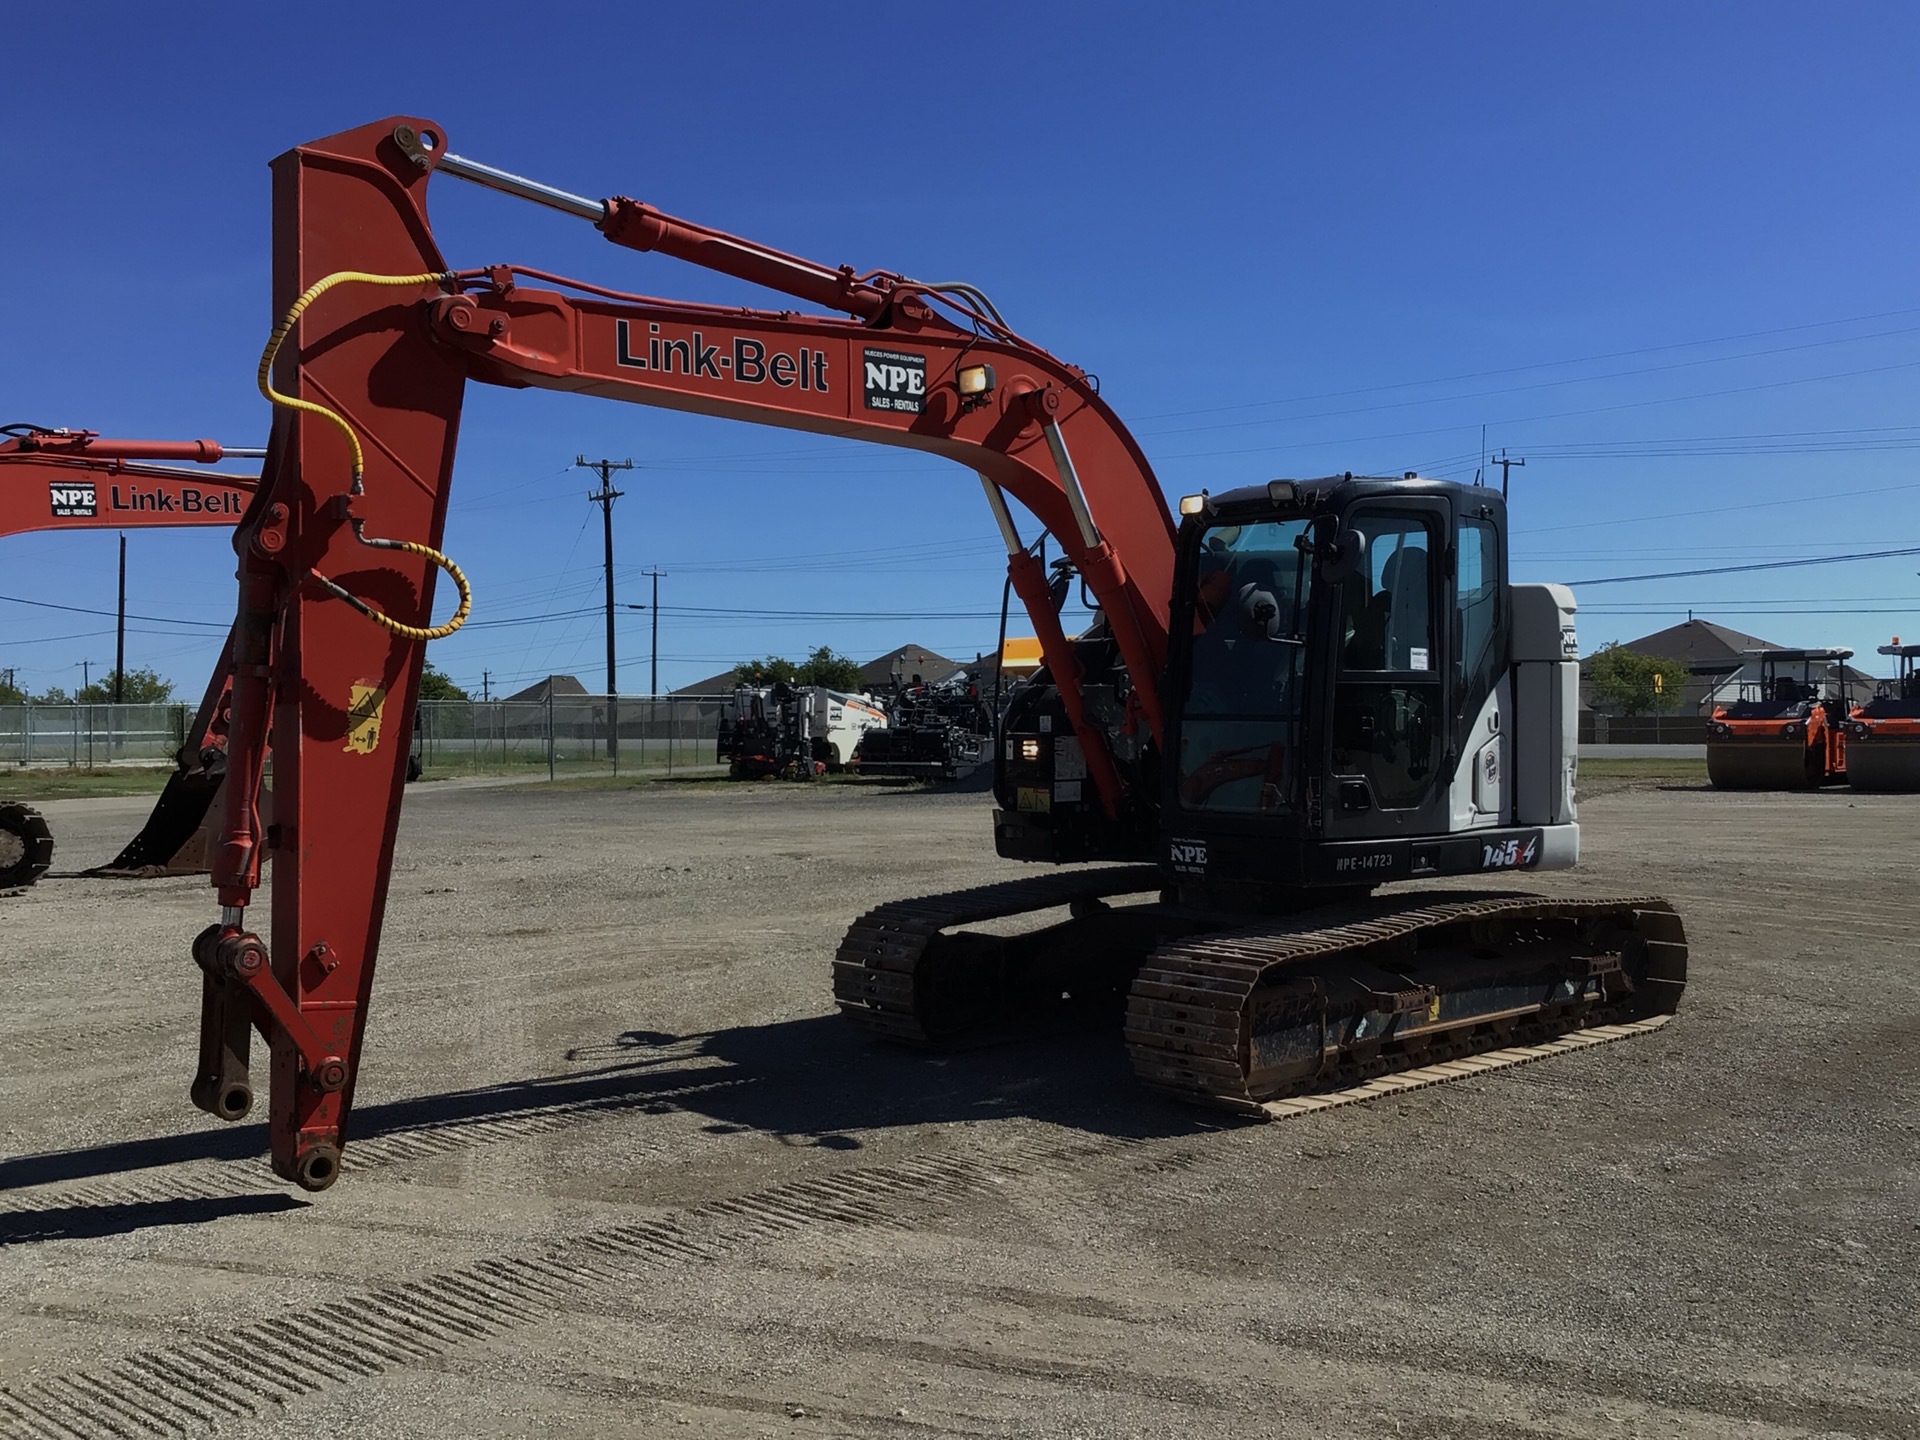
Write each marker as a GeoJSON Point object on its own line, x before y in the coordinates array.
{"type": "Point", "coordinates": [54, 479]}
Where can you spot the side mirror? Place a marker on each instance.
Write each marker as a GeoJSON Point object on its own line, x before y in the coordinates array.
{"type": "Point", "coordinates": [1341, 556]}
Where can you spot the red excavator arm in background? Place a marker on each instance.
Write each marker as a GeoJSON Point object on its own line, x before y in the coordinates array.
{"type": "Point", "coordinates": [91, 483]}
{"type": "Point", "coordinates": [76, 480]}
{"type": "Point", "coordinates": [339, 547]}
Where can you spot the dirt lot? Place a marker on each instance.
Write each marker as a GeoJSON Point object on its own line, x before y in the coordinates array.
{"type": "Point", "coordinates": [618, 1170]}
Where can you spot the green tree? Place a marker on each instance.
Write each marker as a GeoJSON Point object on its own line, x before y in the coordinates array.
{"type": "Point", "coordinates": [836, 672]}
{"type": "Point", "coordinates": [143, 687]}
{"type": "Point", "coordinates": [436, 685]}
{"type": "Point", "coordinates": [11, 694]}
{"type": "Point", "coordinates": [450, 717]}
{"type": "Point", "coordinates": [53, 695]}
{"type": "Point", "coordinates": [1626, 682]}
{"type": "Point", "coordinates": [769, 670]}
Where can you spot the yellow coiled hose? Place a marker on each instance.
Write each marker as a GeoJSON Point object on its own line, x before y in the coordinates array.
{"type": "Point", "coordinates": [290, 402]}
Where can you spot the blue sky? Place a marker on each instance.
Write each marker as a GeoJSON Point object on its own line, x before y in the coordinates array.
{"type": "Point", "coordinates": [1663, 251]}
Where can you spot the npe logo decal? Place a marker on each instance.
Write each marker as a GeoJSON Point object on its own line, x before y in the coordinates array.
{"type": "Point", "coordinates": [73, 500]}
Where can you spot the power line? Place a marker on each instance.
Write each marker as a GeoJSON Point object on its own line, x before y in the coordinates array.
{"type": "Point", "coordinates": [1758, 565]}
{"type": "Point", "coordinates": [1534, 419]}
{"type": "Point", "coordinates": [1540, 365]}
{"type": "Point", "coordinates": [88, 610]}
{"type": "Point", "coordinates": [1535, 385]}
{"type": "Point", "coordinates": [1797, 500]}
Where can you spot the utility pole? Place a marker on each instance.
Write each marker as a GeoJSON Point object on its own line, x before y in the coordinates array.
{"type": "Point", "coordinates": [605, 500]}
{"type": "Point", "coordinates": [486, 678]}
{"type": "Point", "coordinates": [653, 649]}
{"type": "Point", "coordinates": [85, 678]}
{"type": "Point", "coordinates": [1505, 463]}
{"type": "Point", "coordinates": [120, 630]}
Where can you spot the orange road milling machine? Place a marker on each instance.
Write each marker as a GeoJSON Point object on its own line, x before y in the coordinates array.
{"type": "Point", "coordinates": [1790, 732]}
{"type": "Point", "coordinates": [1883, 735]}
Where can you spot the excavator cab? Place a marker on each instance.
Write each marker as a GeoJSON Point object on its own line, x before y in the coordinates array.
{"type": "Point", "coordinates": [1357, 724]}
{"type": "Point", "coordinates": [1883, 735]}
{"type": "Point", "coordinates": [1343, 696]}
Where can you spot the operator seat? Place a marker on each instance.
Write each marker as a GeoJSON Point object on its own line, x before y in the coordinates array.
{"type": "Point", "coordinates": [1409, 613]}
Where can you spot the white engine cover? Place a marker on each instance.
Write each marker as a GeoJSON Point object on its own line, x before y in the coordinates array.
{"type": "Point", "coordinates": [1483, 783]}
{"type": "Point", "coordinates": [1546, 695]}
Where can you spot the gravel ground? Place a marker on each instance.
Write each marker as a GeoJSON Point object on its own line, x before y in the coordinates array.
{"type": "Point", "coordinates": [618, 1171]}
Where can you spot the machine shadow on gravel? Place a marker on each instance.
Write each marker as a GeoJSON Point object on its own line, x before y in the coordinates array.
{"type": "Point", "coordinates": [811, 1080]}
{"type": "Point", "coordinates": [93, 1222]}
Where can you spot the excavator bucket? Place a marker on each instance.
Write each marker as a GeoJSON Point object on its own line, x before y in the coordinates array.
{"type": "Point", "coordinates": [179, 836]}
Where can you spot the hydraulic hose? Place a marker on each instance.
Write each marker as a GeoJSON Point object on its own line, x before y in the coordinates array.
{"type": "Point", "coordinates": [339, 422]}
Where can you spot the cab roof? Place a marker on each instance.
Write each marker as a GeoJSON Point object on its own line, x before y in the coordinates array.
{"type": "Point", "coordinates": [1313, 493]}
{"type": "Point", "coordinates": [1768, 653]}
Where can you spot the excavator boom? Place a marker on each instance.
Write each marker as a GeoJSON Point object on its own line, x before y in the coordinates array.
{"type": "Point", "coordinates": [339, 553]}
{"type": "Point", "coordinates": [77, 480]}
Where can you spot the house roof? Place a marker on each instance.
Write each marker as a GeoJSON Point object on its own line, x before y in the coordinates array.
{"type": "Point", "coordinates": [553, 685]}
{"type": "Point", "coordinates": [907, 661]}
{"type": "Point", "coordinates": [877, 674]}
{"type": "Point", "coordinates": [1699, 643]}
{"type": "Point", "coordinates": [721, 684]}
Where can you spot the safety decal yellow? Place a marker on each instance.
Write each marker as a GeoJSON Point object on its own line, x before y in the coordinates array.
{"type": "Point", "coordinates": [365, 706]}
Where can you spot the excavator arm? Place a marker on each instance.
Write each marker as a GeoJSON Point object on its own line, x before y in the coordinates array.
{"type": "Point", "coordinates": [340, 549]}
{"type": "Point", "coordinates": [78, 480]}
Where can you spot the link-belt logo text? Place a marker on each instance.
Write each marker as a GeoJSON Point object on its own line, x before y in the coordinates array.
{"type": "Point", "coordinates": [747, 361]}
{"type": "Point", "coordinates": [80, 500]}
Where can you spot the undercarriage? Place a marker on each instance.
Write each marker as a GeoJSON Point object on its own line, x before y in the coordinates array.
{"type": "Point", "coordinates": [1239, 1012]}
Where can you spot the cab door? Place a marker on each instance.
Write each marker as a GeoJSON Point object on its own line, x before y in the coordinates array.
{"type": "Point", "coordinates": [1389, 722]}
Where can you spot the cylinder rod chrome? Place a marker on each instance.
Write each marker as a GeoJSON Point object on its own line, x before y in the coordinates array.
{"type": "Point", "coordinates": [1002, 516]}
{"type": "Point", "coordinates": [1070, 482]}
{"type": "Point", "coordinates": [423, 148]}
{"type": "Point", "coordinates": [478, 174]}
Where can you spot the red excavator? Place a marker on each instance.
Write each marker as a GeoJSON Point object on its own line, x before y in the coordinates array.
{"type": "Point", "coordinates": [1298, 691]}
{"type": "Point", "coordinates": [1786, 732]}
{"type": "Point", "coordinates": [78, 480]}
{"type": "Point", "coordinates": [1883, 733]}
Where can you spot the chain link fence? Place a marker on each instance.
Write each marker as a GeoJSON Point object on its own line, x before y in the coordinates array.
{"type": "Point", "coordinates": [569, 735]}
{"type": "Point", "coordinates": [86, 736]}
{"type": "Point", "coordinates": [566, 735]}
{"type": "Point", "coordinates": [1596, 729]}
